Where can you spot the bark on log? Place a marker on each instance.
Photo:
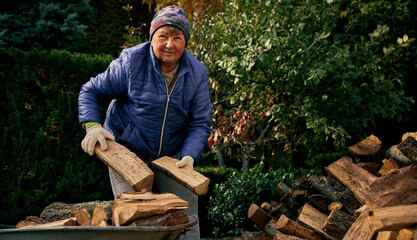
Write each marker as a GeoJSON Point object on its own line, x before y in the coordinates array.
{"type": "Point", "coordinates": [338, 223]}
{"type": "Point", "coordinates": [394, 218]}
{"type": "Point", "coordinates": [186, 176]}
{"type": "Point", "coordinates": [127, 211]}
{"type": "Point", "coordinates": [288, 226]}
{"type": "Point", "coordinates": [397, 188]}
{"type": "Point", "coordinates": [313, 219]}
{"type": "Point", "coordinates": [129, 166]}
{"type": "Point", "coordinates": [355, 178]}
{"type": "Point", "coordinates": [30, 220]}
{"type": "Point", "coordinates": [409, 148]}
{"type": "Point", "coordinates": [394, 153]}
{"type": "Point", "coordinates": [59, 211]}
{"type": "Point", "coordinates": [409, 134]}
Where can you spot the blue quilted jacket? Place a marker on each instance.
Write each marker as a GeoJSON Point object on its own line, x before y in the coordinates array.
{"type": "Point", "coordinates": [141, 114]}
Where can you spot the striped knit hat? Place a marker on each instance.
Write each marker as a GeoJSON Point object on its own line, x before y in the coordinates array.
{"type": "Point", "coordinates": [173, 16]}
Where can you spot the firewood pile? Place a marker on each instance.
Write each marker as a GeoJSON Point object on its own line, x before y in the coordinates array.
{"type": "Point", "coordinates": [130, 209]}
{"type": "Point", "coordinates": [140, 208]}
{"type": "Point", "coordinates": [360, 198]}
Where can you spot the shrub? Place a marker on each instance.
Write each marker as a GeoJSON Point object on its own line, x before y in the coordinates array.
{"type": "Point", "coordinates": [305, 77]}
{"type": "Point", "coordinates": [231, 199]}
{"type": "Point", "coordinates": [41, 157]}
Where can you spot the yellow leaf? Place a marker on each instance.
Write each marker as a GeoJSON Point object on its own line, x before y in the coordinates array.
{"type": "Point", "coordinates": [400, 40]}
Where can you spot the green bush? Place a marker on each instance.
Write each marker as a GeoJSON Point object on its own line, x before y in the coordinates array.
{"type": "Point", "coordinates": [231, 199]}
{"type": "Point", "coordinates": [216, 175]}
{"type": "Point", "coordinates": [41, 157]}
{"type": "Point", "coordinates": [308, 76]}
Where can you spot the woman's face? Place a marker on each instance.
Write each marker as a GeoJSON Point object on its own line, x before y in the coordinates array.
{"type": "Point", "coordinates": [168, 44]}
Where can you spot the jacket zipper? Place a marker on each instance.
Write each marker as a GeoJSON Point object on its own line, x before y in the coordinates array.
{"type": "Point", "coordinates": [166, 109]}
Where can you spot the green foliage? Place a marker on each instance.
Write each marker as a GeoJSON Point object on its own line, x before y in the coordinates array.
{"type": "Point", "coordinates": [41, 157]}
{"type": "Point", "coordinates": [216, 175]}
{"type": "Point", "coordinates": [231, 199]}
{"type": "Point", "coordinates": [48, 25]}
{"type": "Point", "coordinates": [306, 76]}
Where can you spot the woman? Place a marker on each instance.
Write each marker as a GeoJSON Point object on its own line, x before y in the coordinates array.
{"type": "Point", "coordinates": [160, 103]}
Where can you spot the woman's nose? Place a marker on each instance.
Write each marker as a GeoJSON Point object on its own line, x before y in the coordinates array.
{"type": "Point", "coordinates": [170, 43]}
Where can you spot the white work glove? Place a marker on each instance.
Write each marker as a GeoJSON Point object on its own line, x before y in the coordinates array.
{"type": "Point", "coordinates": [95, 134]}
{"type": "Point", "coordinates": [186, 161]}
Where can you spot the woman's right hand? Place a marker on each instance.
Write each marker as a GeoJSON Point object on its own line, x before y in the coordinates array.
{"type": "Point", "coordinates": [95, 134]}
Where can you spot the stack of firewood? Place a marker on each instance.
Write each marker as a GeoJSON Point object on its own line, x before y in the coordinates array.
{"type": "Point", "coordinates": [141, 208]}
{"type": "Point", "coordinates": [131, 209]}
{"type": "Point", "coordinates": [360, 198]}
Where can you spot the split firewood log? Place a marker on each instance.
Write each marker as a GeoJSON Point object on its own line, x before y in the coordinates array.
{"type": "Point", "coordinates": [193, 180]}
{"type": "Point", "coordinates": [367, 150]}
{"type": "Point", "coordinates": [355, 178]}
{"type": "Point", "coordinates": [59, 223]}
{"type": "Point", "coordinates": [129, 166]}
{"type": "Point", "coordinates": [102, 215]}
{"type": "Point", "coordinates": [258, 216]}
{"type": "Point", "coordinates": [394, 218]}
{"type": "Point", "coordinates": [396, 188]}
{"type": "Point", "coordinates": [173, 218]}
{"type": "Point", "coordinates": [290, 227]}
{"type": "Point", "coordinates": [147, 204]}
{"type": "Point", "coordinates": [388, 165]}
{"type": "Point", "coordinates": [314, 219]}
{"type": "Point", "coordinates": [82, 216]}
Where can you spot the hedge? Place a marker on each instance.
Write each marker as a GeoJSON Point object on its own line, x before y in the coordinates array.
{"type": "Point", "coordinates": [41, 157]}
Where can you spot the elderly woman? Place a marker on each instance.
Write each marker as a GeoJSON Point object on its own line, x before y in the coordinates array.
{"type": "Point", "coordinates": [160, 104]}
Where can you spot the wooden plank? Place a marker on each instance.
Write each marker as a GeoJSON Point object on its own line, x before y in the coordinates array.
{"type": "Point", "coordinates": [394, 218]}
{"type": "Point", "coordinates": [313, 219]}
{"type": "Point", "coordinates": [355, 178]}
{"type": "Point", "coordinates": [396, 188]}
{"type": "Point", "coordinates": [127, 211]}
{"type": "Point", "coordinates": [361, 228]}
{"type": "Point", "coordinates": [288, 226]}
{"type": "Point", "coordinates": [186, 176]}
{"type": "Point", "coordinates": [129, 166]}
